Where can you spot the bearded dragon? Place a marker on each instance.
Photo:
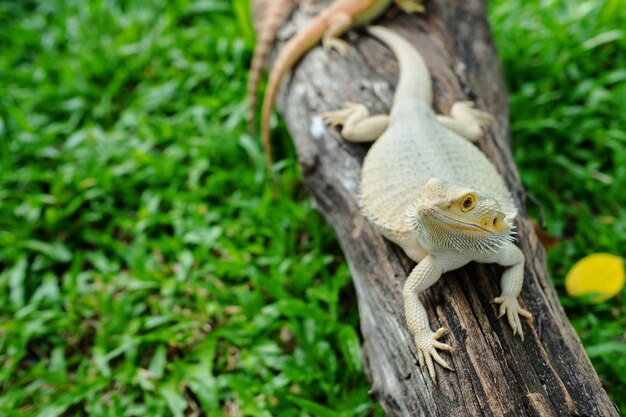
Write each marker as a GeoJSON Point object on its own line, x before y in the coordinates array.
{"type": "Point", "coordinates": [327, 27]}
{"type": "Point", "coordinates": [425, 187]}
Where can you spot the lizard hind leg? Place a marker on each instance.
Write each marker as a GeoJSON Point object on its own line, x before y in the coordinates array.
{"type": "Point", "coordinates": [358, 125]}
{"type": "Point", "coordinates": [410, 6]}
{"type": "Point", "coordinates": [337, 26]}
{"type": "Point", "coordinates": [466, 120]}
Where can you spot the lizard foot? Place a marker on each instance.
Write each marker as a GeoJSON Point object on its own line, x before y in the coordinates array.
{"type": "Point", "coordinates": [339, 45]}
{"type": "Point", "coordinates": [358, 125]}
{"type": "Point", "coordinates": [467, 121]}
{"type": "Point", "coordinates": [410, 6]}
{"type": "Point", "coordinates": [339, 117]}
{"type": "Point", "coordinates": [510, 306]}
{"type": "Point", "coordinates": [468, 108]}
{"type": "Point", "coordinates": [426, 342]}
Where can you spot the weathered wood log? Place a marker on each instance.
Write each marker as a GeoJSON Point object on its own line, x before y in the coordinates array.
{"type": "Point", "coordinates": [549, 373]}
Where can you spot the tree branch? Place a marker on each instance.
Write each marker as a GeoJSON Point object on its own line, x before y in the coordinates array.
{"type": "Point", "coordinates": [496, 374]}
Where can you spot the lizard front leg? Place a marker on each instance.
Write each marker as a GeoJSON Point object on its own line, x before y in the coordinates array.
{"type": "Point", "coordinates": [466, 120]}
{"type": "Point", "coordinates": [425, 274]}
{"type": "Point", "coordinates": [511, 283]}
{"type": "Point", "coordinates": [358, 125]}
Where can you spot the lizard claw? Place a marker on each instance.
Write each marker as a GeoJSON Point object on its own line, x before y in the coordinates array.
{"type": "Point", "coordinates": [510, 306]}
{"type": "Point", "coordinates": [427, 344]}
{"type": "Point", "coordinates": [338, 117]}
{"type": "Point", "coordinates": [483, 118]}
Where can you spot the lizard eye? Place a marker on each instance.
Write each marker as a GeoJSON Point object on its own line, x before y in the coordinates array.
{"type": "Point", "coordinates": [468, 202]}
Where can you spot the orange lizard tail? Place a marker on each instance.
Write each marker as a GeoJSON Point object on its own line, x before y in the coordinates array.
{"type": "Point", "coordinates": [274, 16]}
{"type": "Point", "coordinates": [295, 48]}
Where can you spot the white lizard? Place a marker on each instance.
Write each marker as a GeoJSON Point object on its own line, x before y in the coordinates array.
{"type": "Point", "coordinates": [425, 187]}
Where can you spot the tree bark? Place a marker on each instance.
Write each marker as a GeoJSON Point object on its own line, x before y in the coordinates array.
{"type": "Point", "coordinates": [549, 373]}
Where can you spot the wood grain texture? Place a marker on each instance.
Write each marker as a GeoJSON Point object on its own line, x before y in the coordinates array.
{"type": "Point", "coordinates": [549, 373]}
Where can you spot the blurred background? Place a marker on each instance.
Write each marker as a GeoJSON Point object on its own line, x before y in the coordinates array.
{"type": "Point", "coordinates": [147, 270]}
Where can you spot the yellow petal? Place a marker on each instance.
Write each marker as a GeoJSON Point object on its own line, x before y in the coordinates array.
{"type": "Point", "coordinates": [599, 273]}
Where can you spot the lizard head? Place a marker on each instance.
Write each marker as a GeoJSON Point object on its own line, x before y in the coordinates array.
{"type": "Point", "coordinates": [448, 216]}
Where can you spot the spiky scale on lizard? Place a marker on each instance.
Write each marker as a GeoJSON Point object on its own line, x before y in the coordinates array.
{"type": "Point", "coordinates": [432, 192]}
{"type": "Point", "coordinates": [327, 27]}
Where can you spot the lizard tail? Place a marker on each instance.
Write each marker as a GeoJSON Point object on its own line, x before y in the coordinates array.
{"type": "Point", "coordinates": [414, 75]}
{"type": "Point", "coordinates": [275, 15]}
{"type": "Point", "coordinates": [295, 48]}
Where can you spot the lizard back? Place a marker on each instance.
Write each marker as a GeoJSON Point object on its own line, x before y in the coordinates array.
{"type": "Point", "coordinates": [412, 150]}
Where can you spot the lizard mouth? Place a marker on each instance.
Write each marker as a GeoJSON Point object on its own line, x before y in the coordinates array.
{"type": "Point", "coordinates": [455, 223]}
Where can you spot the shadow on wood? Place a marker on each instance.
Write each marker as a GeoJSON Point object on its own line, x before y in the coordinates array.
{"type": "Point", "coordinates": [496, 374]}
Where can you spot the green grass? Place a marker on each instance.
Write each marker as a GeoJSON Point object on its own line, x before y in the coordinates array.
{"type": "Point", "coordinates": [146, 269]}
{"type": "Point", "coordinates": [564, 65]}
